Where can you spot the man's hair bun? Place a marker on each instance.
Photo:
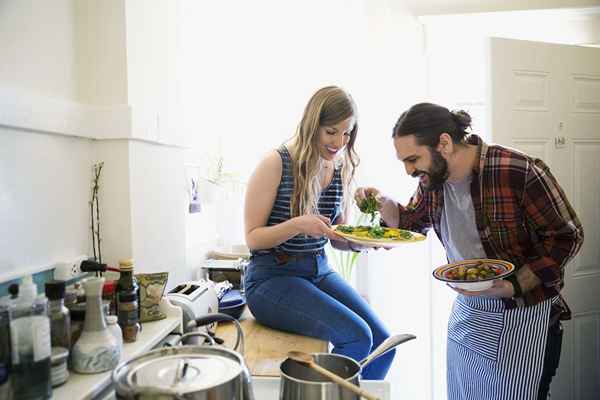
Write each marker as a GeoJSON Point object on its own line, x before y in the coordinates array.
{"type": "Point", "coordinates": [462, 119]}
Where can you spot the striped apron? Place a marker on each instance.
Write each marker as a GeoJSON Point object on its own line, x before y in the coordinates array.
{"type": "Point", "coordinates": [494, 353]}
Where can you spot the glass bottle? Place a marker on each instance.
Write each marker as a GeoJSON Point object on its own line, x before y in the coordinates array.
{"type": "Point", "coordinates": [5, 386]}
{"type": "Point", "coordinates": [30, 338]}
{"type": "Point", "coordinates": [128, 310]}
{"type": "Point", "coordinates": [60, 320]}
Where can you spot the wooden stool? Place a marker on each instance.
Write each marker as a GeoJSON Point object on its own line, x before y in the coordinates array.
{"type": "Point", "coordinates": [266, 348]}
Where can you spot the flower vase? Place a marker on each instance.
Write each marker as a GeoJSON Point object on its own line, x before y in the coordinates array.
{"type": "Point", "coordinates": [96, 350]}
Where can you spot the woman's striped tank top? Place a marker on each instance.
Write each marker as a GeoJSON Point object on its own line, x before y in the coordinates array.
{"type": "Point", "coordinates": [329, 205]}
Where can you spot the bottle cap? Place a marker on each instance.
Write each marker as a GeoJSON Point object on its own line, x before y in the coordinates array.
{"type": "Point", "coordinates": [55, 290]}
{"type": "Point", "coordinates": [109, 287]}
{"type": "Point", "coordinates": [126, 265]}
{"type": "Point", "coordinates": [27, 291]}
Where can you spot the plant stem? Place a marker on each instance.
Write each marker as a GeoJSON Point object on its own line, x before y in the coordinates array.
{"type": "Point", "coordinates": [93, 230]}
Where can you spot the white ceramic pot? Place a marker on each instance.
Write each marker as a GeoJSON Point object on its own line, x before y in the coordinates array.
{"type": "Point", "coordinates": [96, 350]}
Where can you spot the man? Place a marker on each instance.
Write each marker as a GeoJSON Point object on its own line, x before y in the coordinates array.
{"type": "Point", "coordinates": [489, 202]}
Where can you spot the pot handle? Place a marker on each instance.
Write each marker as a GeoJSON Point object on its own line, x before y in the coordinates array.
{"type": "Point", "coordinates": [183, 337]}
{"type": "Point", "coordinates": [209, 319]}
{"type": "Point", "coordinates": [218, 317]}
{"type": "Point", "coordinates": [386, 346]}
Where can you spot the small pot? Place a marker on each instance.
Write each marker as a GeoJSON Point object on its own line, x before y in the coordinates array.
{"type": "Point", "coordinates": [299, 381]}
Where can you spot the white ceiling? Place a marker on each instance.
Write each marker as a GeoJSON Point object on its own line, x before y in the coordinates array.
{"type": "Point", "coordinates": [436, 7]}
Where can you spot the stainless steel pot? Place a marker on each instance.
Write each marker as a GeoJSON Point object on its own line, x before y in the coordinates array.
{"type": "Point", "coordinates": [300, 382]}
{"type": "Point", "coordinates": [187, 372]}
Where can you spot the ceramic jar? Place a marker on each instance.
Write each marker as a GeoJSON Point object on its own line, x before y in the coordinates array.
{"type": "Point", "coordinates": [96, 350]}
{"type": "Point", "coordinates": [115, 329]}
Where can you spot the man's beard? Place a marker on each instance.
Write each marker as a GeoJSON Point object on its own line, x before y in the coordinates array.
{"type": "Point", "coordinates": [438, 172]}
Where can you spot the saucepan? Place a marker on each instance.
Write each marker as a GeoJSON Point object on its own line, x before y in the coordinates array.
{"type": "Point", "coordinates": [187, 372]}
{"type": "Point", "coordinates": [299, 381]}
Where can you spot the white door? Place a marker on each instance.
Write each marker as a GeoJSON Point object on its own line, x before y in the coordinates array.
{"type": "Point", "coordinates": [544, 100]}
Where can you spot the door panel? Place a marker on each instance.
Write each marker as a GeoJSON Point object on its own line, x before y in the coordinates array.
{"type": "Point", "coordinates": [544, 100]}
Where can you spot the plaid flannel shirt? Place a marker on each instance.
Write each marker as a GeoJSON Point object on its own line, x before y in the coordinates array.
{"type": "Point", "coordinates": [522, 216]}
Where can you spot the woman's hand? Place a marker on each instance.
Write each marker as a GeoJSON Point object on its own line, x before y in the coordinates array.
{"type": "Point", "coordinates": [316, 226]}
{"type": "Point", "coordinates": [501, 289]}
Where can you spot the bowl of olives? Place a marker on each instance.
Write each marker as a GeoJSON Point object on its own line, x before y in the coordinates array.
{"type": "Point", "coordinates": [474, 275]}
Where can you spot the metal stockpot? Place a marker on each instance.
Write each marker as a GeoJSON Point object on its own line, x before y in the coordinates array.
{"type": "Point", "coordinates": [300, 382]}
{"type": "Point", "coordinates": [187, 372]}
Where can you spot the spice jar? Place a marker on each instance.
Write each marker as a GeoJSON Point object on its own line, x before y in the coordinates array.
{"type": "Point", "coordinates": [60, 320]}
{"type": "Point", "coordinates": [128, 310]}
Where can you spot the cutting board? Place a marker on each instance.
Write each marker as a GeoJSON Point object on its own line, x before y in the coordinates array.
{"type": "Point", "coordinates": [266, 348]}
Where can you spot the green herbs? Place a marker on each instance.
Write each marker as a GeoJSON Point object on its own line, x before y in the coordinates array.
{"type": "Point", "coordinates": [345, 229]}
{"type": "Point", "coordinates": [369, 206]}
{"type": "Point", "coordinates": [376, 232]}
{"type": "Point", "coordinates": [373, 232]}
{"type": "Point", "coordinates": [406, 235]}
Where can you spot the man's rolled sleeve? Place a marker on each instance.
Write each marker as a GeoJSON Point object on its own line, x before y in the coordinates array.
{"type": "Point", "coordinates": [415, 216]}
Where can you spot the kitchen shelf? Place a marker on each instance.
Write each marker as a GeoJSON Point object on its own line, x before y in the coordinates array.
{"type": "Point", "coordinates": [91, 386]}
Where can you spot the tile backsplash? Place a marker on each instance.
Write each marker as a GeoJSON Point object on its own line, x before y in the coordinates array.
{"type": "Point", "coordinates": [39, 278]}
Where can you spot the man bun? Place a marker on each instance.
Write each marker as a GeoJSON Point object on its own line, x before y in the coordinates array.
{"type": "Point", "coordinates": [462, 119]}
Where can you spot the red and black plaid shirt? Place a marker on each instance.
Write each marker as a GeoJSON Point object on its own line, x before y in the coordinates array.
{"type": "Point", "coordinates": [522, 216]}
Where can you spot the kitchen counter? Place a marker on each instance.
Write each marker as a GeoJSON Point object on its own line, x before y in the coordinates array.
{"type": "Point", "coordinates": [266, 348]}
{"type": "Point", "coordinates": [93, 386]}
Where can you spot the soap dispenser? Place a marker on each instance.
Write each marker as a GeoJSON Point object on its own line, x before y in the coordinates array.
{"type": "Point", "coordinates": [30, 339]}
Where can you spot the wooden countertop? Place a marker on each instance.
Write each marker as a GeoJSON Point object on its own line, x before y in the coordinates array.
{"type": "Point", "coordinates": [266, 348]}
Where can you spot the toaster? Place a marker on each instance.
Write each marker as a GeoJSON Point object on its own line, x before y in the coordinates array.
{"type": "Point", "coordinates": [196, 299]}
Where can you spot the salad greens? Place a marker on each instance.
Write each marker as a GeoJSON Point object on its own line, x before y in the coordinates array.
{"type": "Point", "coordinates": [369, 206]}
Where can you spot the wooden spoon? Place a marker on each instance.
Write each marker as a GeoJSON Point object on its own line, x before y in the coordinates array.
{"type": "Point", "coordinates": [307, 359]}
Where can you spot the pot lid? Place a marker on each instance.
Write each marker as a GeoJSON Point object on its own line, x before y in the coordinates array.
{"type": "Point", "coordinates": [183, 373]}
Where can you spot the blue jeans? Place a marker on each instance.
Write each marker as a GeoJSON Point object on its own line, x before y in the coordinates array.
{"type": "Point", "coordinates": [305, 296]}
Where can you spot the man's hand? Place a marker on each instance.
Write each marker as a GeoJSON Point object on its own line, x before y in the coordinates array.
{"type": "Point", "coordinates": [387, 206]}
{"type": "Point", "coordinates": [363, 192]}
{"type": "Point", "coordinates": [500, 289]}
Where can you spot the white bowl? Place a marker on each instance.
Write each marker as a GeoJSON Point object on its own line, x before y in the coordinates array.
{"type": "Point", "coordinates": [475, 286]}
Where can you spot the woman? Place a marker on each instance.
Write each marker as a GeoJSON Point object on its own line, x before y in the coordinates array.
{"type": "Point", "coordinates": [293, 197]}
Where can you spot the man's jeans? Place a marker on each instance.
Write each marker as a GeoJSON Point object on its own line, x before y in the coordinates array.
{"type": "Point", "coordinates": [304, 296]}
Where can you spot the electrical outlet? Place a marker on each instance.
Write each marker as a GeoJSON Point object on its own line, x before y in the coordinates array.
{"type": "Point", "coordinates": [66, 270]}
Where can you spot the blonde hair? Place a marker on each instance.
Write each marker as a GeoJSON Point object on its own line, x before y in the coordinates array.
{"type": "Point", "coordinates": [328, 106]}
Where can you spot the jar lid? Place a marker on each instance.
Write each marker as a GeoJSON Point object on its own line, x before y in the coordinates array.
{"type": "Point", "coordinates": [55, 290]}
{"type": "Point", "coordinates": [182, 370]}
{"type": "Point", "coordinates": [126, 265]}
{"type": "Point", "coordinates": [58, 355]}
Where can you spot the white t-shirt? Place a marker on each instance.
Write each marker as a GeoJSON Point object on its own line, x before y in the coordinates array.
{"type": "Point", "coordinates": [459, 230]}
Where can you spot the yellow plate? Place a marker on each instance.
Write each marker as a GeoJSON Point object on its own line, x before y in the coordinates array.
{"type": "Point", "coordinates": [393, 241]}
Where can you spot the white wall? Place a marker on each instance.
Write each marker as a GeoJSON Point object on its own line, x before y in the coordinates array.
{"type": "Point", "coordinates": [440, 7]}
{"type": "Point", "coordinates": [44, 190]}
{"type": "Point", "coordinates": [35, 35]}
{"type": "Point", "coordinates": [65, 75]}
{"type": "Point", "coordinates": [44, 179]}
{"type": "Point", "coordinates": [157, 204]}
